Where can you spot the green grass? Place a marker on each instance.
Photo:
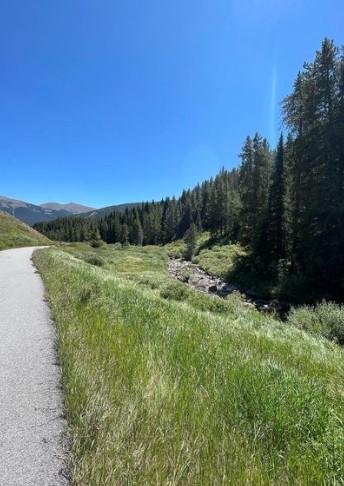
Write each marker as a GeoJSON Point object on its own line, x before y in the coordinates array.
{"type": "Point", "coordinates": [14, 233]}
{"type": "Point", "coordinates": [161, 391]}
{"type": "Point", "coordinates": [219, 259]}
{"type": "Point", "coordinates": [147, 267]}
{"type": "Point", "coordinates": [177, 248]}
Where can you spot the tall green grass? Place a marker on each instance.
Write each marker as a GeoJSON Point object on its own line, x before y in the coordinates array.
{"type": "Point", "coordinates": [160, 391]}
{"type": "Point", "coordinates": [15, 233]}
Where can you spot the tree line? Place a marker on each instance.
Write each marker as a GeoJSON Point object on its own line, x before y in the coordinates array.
{"type": "Point", "coordinates": [210, 206]}
{"type": "Point", "coordinates": [285, 205]}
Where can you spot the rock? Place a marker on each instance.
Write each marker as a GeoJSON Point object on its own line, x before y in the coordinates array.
{"type": "Point", "coordinates": [265, 308]}
{"type": "Point", "coordinates": [249, 304]}
{"type": "Point", "coordinates": [192, 275]}
{"type": "Point", "coordinates": [228, 288]}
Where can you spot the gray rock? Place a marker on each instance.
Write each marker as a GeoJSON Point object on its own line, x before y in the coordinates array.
{"type": "Point", "coordinates": [200, 280]}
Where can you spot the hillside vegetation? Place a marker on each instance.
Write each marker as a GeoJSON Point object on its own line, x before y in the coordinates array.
{"type": "Point", "coordinates": [164, 385]}
{"type": "Point", "coordinates": [14, 233]}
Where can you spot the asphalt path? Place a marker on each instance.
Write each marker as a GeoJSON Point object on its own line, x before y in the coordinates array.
{"type": "Point", "coordinates": [32, 440]}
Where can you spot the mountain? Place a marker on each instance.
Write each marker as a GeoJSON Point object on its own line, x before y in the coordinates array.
{"type": "Point", "coordinates": [15, 233]}
{"type": "Point", "coordinates": [73, 208]}
{"type": "Point", "coordinates": [29, 213]}
{"type": "Point", "coordinates": [32, 213]}
{"type": "Point", "coordinates": [100, 213]}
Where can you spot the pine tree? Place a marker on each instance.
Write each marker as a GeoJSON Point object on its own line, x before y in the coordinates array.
{"type": "Point", "coordinates": [214, 215]}
{"type": "Point", "coordinates": [190, 239]}
{"type": "Point", "coordinates": [124, 235]}
{"type": "Point", "coordinates": [137, 232]}
{"type": "Point", "coordinates": [246, 192]}
{"type": "Point", "coordinates": [276, 238]}
{"type": "Point", "coordinates": [186, 216]}
{"type": "Point", "coordinates": [169, 220]}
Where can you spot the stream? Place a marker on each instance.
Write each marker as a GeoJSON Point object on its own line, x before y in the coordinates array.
{"type": "Point", "coordinates": [195, 277]}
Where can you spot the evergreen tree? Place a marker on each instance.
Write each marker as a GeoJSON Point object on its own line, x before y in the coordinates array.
{"type": "Point", "coordinates": [137, 233]}
{"type": "Point", "coordinates": [190, 239]}
{"type": "Point", "coordinates": [276, 238]}
{"type": "Point", "coordinates": [170, 219]}
{"type": "Point", "coordinates": [124, 235]}
{"type": "Point", "coordinates": [247, 193]}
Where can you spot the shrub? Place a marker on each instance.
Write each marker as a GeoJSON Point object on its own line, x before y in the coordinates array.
{"type": "Point", "coordinates": [174, 291]}
{"type": "Point", "coordinates": [190, 240]}
{"type": "Point", "coordinates": [97, 243]}
{"type": "Point", "coordinates": [325, 319]}
{"type": "Point", "coordinates": [95, 260]}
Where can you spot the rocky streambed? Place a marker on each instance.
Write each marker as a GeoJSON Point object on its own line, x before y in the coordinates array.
{"type": "Point", "coordinates": [195, 277]}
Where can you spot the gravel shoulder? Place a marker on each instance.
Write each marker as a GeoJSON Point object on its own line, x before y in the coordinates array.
{"type": "Point", "coordinates": [32, 449]}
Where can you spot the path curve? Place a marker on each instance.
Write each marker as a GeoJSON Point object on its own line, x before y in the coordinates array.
{"type": "Point", "coordinates": [31, 404]}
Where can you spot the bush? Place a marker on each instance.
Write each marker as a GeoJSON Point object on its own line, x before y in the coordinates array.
{"type": "Point", "coordinates": [175, 291]}
{"type": "Point", "coordinates": [97, 243]}
{"type": "Point", "coordinates": [149, 282]}
{"type": "Point", "coordinates": [325, 319]}
{"type": "Point", "coordinates": [95, 260]}
{"type": "Point", "coordinates": [117, 246]}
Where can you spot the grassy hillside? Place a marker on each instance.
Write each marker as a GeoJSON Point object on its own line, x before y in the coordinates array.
{"type": "Point", "coordinates": [14, 233]}
{"type": "Point", "coordinates": [168, 386]}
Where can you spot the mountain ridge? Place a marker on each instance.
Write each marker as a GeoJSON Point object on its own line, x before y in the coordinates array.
{"type": "Point", "coordinates": [102, 212]}
{"type": "Point", "coordinates": [33, 213]}
{"type": "Point", "coordinates": [27, 212]}
{"type": "Point", "coordinates": [72, 207]}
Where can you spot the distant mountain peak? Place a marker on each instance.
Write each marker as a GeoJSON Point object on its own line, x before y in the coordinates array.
{"type": "Point", "coordinates": [72, 207]}
{"type": "Point", "coordinates": [32, 213]}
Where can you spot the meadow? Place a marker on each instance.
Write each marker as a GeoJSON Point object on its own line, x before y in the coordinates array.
{"type": "Point", "coordinates": [165, 385]}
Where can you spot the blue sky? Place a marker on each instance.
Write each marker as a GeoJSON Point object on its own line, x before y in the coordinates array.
{"type": "Point", "coordinates": [106, 101]}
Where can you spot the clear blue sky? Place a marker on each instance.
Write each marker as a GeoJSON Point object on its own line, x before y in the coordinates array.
{"type": "Point", "coordinates": [108, 101]}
